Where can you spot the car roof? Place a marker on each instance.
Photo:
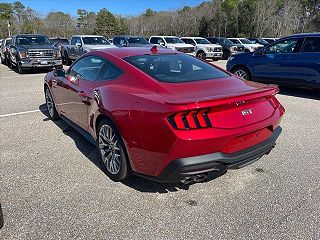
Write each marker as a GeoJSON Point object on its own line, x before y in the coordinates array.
{"type": "Point", "coordinates": [135, 51]}
{"type": "Point", "coordinates": [194, 37]}
{"type": "Point", "coordinates": [164, 36]}
{"type": "Point", "coordinates": [128, 36]}
{"type": "Point", "coordinates": [26, 35]}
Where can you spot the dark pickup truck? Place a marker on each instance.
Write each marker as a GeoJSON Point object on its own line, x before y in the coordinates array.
{"type": "Point", "coordinates": [33, 51]}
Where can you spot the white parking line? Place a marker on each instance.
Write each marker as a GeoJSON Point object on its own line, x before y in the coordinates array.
{"type": "Point", "coordinates": [29, 75]}
{"type": "Point", "coordinates": [21, 113]}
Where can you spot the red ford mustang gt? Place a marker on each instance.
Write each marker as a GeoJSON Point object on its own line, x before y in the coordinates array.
{"type": "Point", "coordinates": [164, 115]}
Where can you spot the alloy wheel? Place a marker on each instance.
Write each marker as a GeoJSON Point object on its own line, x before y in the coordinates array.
{"type": "Point", "coordinates": [241, 73]}
{"type": "Point", "coordinates": [110, 149]}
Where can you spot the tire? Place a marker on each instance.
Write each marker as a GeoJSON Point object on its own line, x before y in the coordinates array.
{"type": "Point", "coordinates": [201, 55]}
{"type": "Point", "coordinates": [112, 151]}
{"type": "Point", "coordinates": [67, 60]}
{"type": "Point", "coordinates": [226, 55]}
{"type": "Point", "coordinates": [20, 69]}
{"type": "Point", "coordinates": [53, 113]}
{"type": "Point", "coordinates": [3, 61]}
{"type": "Point", "coordinates": [242, 72]}
{"type": "Point", "coordinates": [1, 217]}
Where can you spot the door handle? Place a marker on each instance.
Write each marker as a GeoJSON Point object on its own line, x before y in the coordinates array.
{"type": "Point", "coordinates": [83, 94]}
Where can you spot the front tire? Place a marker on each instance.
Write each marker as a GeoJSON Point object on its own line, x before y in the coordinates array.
{"type": "Point", "coordinates": [20, 70]}
{"type": "Point", "coordinates": [53, 113]}
{"type": "Point", "coordinates": [112, 151]}
{"type": "Point", "coordinates": [242, 72]}
{"type": "Point", "coordinates": [201, 55]}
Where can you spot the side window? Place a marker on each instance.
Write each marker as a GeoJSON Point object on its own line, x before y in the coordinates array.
{"type": "Point", "coordinates": [73, 41]}
{"type": "Point", "coordinates": [87, 68]}
{"type": "Point", "coordinates": [116, 41]}
{"type": "Point", "coordinates": [122, 41]}
{"type": "Point", "coordinates": [153, 40]}
{"type": "Point", "coordinates": [311, 44]}
{"type": "Point", "coordinates": [285, 46]}
{"type": "Point", "coordinates": [161, 41]}
{"type": "Point", "coordinates": [108, 72]}
{"type": "Point", "coordinates": [184, 40]}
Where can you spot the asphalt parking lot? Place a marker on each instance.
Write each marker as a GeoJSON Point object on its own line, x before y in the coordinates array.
{"type": "Point", "coordinates": [52, 185]}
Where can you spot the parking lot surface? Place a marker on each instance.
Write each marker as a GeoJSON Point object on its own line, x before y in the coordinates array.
{"type": "Point", "coordinates": [52, 185]}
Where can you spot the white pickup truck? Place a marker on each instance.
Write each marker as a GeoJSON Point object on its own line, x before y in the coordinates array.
{"type": "Point", "coordinates": [204, 49]}
{"type": "Point", "coordinates": [81, 44]}
{"type": "Point", "coordinates": [174, 43]}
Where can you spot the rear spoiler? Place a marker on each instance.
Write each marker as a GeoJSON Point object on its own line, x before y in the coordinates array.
{"type": "Point", "coordinates": [269, 90]}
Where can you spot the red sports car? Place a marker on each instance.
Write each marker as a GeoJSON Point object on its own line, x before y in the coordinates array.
{"type": "Point", "coordinates": [163, 114]}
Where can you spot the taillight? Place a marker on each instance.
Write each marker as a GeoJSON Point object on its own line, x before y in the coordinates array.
{"type": "Point", "coordinates": [274, 102]}
{"type": "Point", "coordinates": [190, 120]}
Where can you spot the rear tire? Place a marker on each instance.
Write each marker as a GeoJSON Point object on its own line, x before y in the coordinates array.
{"type": "Point", "coordinates": [112, 151]}
{"type": "Point", "coordinates": [242, 72]}
{"type": "Point", "coordinates": [53, 113]}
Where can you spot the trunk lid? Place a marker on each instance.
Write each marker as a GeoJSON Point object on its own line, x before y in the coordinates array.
{"type": "Point", "coordinates": [230, 102]}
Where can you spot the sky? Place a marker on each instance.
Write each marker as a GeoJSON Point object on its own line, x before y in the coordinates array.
{"type": "Point", "coordinates": [121, 7]}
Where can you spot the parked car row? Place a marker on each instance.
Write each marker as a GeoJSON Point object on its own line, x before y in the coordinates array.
{"type": "Point", "coordinates": [27, 51]}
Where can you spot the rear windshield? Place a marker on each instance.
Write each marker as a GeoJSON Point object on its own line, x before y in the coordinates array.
{"type": "Point", "coordinates": [175, 68]}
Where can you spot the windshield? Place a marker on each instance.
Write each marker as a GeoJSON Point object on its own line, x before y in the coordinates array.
{"type": "Point", "coordinates": [175, 68]}
{"type": "Point", "coordinates": [95, 41]}
{"type": "Point", "coordinates": [8, 42]}
{"type": "Point", "coordinates": [235, 41]}
{"type": "Point", "coordinates": [59, 41]}
{"type": "Point", "coordinates": [245, 41]}
{"type": "Point", "coordinates": [225, 41]}
{"type": "Point", "coordinates": [32, 40]}
{"type": "Point", "coordinates": [173, 40]}
{"type": "Point", "coordinates": [202, 41]}
{"type": "Point", "coordinates": [137, 40]}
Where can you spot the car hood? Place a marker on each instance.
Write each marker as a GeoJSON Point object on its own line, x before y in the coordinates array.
{"type": "Point", "coordinates": [180, 45]}
{"type": "Point", "coordinates": [140, 45]}
{"type": "Point", "coordinates": [30, 47]}
{"type": "Point", "coordinates": [87, 46]}
{"type": "Point", "coordinates": [208, 45]}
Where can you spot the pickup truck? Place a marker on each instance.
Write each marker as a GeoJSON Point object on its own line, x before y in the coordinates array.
{"type": "Point", "coordinates": [81, 44]}
{"type": "Point", "coordinates": [174, 43]}
{"type": "Point", "coordinates": [33, 51]}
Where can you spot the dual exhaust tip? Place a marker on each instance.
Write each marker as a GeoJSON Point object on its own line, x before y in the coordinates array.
{"type": "Point", "coordinates": [194, 179]}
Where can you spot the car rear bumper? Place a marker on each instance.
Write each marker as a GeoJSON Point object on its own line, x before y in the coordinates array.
{"type": "Point", "coordinates": [215, 163]}
{"type": "Point", "coordinates": [41, 63]}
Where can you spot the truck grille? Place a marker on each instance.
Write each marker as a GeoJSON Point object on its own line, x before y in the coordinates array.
{"type": "Point", "coordinates": [185, 49]}
{"type": "Point", "coordinates": [41, 54]}
{"type": "Point", "coordinates": [217, 49]}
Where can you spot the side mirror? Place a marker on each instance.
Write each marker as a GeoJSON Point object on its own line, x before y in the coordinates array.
{"type": "Point", "coordinates": [59, 72]}
{"type": "Point", "coordinates": [78, 45]}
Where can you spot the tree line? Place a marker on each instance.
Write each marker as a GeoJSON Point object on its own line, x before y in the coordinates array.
{"type": "Point", "coordinates": [230, 18]}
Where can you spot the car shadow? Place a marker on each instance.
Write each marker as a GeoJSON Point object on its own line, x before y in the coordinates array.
{"type": "Point", "coordinates": [300, 92]}
{"type": "Point", "coordinates": [92, 153]}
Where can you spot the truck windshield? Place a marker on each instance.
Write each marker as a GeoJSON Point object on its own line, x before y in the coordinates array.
{"type": "Point", "coordinates": [173, 40]}
{"type": "Point", "coordinates": [137, 40]}
{"type": "Point", "coordinates": [202, 41]}
{"type": "Point", "coordinates": [95, 41]}
{"type": "Point", "coordinates": [225, 41]}
{"type": "Point", "coordinates": [32, 40]}
{"type": "Point", "coordinates": [245, 41]}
